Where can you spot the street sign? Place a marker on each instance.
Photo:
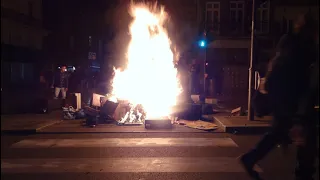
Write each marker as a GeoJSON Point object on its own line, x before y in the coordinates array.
{"type": "Point", "coordinates": [92, 55]}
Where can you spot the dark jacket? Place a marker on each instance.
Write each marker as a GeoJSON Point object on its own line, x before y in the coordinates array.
{"type": "Point", "coordinates": [290, 72]}
{"type": "Point", "coordinates": [61, 80]}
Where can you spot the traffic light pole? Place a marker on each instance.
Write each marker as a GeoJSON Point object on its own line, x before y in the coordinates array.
{"type": "Point", "coordinates": [250, 88]}
{"type": "Point", "coordinates": [204, 72]}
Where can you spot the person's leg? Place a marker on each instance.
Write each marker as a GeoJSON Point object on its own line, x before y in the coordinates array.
{"type": "Point", "coordinates": [277, 135]}
{"type": "Point", "coordinates": [267, 143]}
{"type": "Point", "coordinates": [306, 154]}
{"type": "Point", "coordinates": [63, 93]}
{"type": "Point", "coordinates": [56, 92]}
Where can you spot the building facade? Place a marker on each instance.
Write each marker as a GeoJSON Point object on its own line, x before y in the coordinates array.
{"type": "Point", "coordinates": [79, 33]}
{"type": "Point", "coordinates": [22, 37]}
{"type": "Point", "coordinates": [229, 21]}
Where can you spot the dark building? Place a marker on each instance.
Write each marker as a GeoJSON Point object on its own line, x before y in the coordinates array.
{"type": "Point", "coordinates": [22, 37]}
{"type": "Point", "coordinates": [230, 24]}
{"type": "Point", "coordinates": [79, 32]}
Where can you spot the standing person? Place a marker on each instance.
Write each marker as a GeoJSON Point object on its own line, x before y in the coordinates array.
{"type": "Point", "coordinates": [60, 83]}
{"type": "Point", "coordinates": [287, 84]}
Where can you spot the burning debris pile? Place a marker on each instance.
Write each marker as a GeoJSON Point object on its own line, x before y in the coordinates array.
{"type": "Point", "coordinates": [134, 115]}
{"type": "Point", "coordinates": [150, 62]}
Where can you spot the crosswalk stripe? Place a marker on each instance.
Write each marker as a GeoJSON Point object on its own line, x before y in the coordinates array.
{"type": "Point", "coordinates": [126, 142]}
{"type": "Point", "coordinates": [167, 164]}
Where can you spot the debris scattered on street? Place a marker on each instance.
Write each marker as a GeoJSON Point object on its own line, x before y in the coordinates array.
{"type": "Point", "coordinates": [201, 125]}
{"type": "Point", "coordinates": [69, 113]}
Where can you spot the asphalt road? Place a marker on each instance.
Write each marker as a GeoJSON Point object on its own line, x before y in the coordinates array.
{"type": "Point", "coordinates": [138, 156]}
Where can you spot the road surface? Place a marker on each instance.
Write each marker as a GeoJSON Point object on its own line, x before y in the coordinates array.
{"type": "Point", "coordinates": [137, 156]}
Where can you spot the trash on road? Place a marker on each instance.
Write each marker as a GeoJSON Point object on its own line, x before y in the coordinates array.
{"type": "Point", "coordinates": [201, 125]}
{"type": "Point", "coordinates": [70, 113]}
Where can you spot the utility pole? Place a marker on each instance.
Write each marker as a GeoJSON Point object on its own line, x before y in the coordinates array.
{"type": "Point", "coordinates": [250, 88]}
{"type": "Point", "coordinates": [204, 72]}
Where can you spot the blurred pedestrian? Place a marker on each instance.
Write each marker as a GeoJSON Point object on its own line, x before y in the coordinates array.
{"type": "Point", "coordinates": [287, 85]}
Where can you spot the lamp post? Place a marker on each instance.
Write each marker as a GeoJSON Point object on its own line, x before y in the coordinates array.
{"type": "Point", "coordinates": [250, 88]}
{"type": "Point", "coordinates": [203, 45]}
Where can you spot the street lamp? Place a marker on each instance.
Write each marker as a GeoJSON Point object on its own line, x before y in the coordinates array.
{"type": "Point", "coordinates": [251, 70]}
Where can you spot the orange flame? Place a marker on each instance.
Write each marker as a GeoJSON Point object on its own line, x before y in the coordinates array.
{"type": "Point", "coordinates": [150, 78]}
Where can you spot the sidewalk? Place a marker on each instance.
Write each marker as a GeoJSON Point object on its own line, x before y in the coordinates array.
{"type": "Point", "coordinates": [240, 124]}
{"type": "Point", "coordinates": [28, 123]}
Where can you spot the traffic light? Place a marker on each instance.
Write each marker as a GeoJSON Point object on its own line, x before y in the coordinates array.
{"type": "Point", "coordinates": [206, 37]}
{"type": "Point", "coordinates": [202, 43]}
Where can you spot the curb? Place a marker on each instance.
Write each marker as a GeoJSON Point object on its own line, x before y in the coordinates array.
{"type": "Point", "coordinates": [243, 130]}
{"type": "Point", "coordinates": [246, 130]}
{"type": "Point", "coordinates": [28, 131]}
{"type": "Point", "coordinates": [55, 132]}
{"type": "Point", "coordinates": [47, 125]}
{"type": "Point", "coordinates": [18, 132]}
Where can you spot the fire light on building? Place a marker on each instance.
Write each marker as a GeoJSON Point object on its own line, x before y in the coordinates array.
{"type": "Point", "coordinates": [150, 78]}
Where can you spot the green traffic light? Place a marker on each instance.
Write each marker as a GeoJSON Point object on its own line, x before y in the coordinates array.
{"type": "Point", "coordinates": [202, 43]}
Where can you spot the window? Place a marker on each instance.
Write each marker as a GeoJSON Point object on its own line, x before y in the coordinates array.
{"type": "Point", "coordinates": [237, 16]}
{"type": "Point", "coordinates": [21, 72]}
{"type": "Point", "coordinates": [287, 25]}
{"type": "Point", "coordinates": [262, 21]}
{"type": "Point", "coordinates": [30, 9]}
{"type": "Point", "coordinates": [90, 41]}
{"type": "Point", "coordinates": [213, 16]}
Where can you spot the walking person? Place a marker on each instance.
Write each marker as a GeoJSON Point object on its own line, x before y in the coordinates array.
{"type": "Point", "coordinates": [60, 83]}
{"type": "Point", "coordinates": [287, 84]}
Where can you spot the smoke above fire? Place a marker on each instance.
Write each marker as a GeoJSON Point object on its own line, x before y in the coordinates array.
{"type": "Point", "coordinates": [150, 78]}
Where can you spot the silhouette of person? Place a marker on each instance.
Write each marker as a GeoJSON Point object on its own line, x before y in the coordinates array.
{"type": "Point", "coordinates": [287, 85]}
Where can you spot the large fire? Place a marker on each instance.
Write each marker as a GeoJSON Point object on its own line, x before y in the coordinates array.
{"type": "Point", "coordinates": [150, 78]}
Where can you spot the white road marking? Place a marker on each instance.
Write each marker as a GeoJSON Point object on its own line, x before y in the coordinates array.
{"type": "Point", "coordinates": [125, 142]}
{"type": "Point", "coordinates": [172, 164]}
